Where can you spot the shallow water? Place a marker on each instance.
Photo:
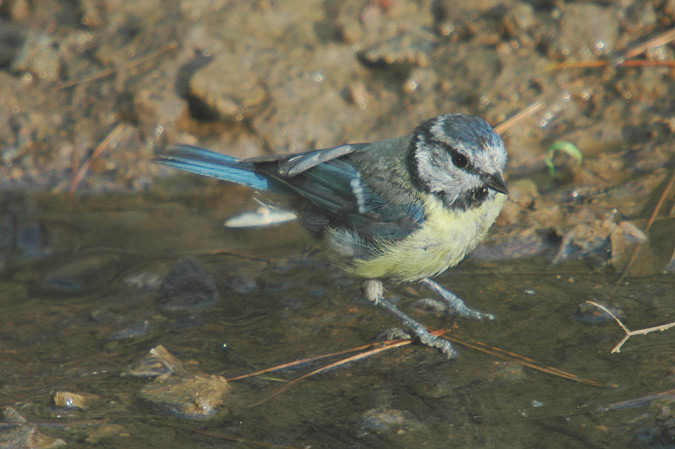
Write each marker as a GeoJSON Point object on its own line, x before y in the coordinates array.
{"type": "Point", "coordinates": [79, 299]}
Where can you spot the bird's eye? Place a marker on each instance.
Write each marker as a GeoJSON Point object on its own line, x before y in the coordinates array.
{"type": "Point", "coordinates": [459, 159]}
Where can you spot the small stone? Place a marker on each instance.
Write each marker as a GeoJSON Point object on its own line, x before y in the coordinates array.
{"type": "Point", "coordinates": [135, 330]}
{"type": "Point", "coordinates": [28, 437]}
{"type": "Point", "coordinates": [401, 53]}
{"type": "Point", "coordinates": [159, 362]}
{"type": "Point", "coordinates": [70, 400]}
{"type": "Point", "coordinates": [194, 397]}
{"type": "Point", "coordinates": [187, 287]}
{"type": "Point", "coordinates": [242, 284]}
{"type": "Point", "coordinates": [39, 57]}
{"type": "Point", "coordinates": [229, 88]}
{"type": "Point", "coordinates": [145, 280]}
{"type": "Point", "coordinates": [107, 431]}
{"type": "Point", "coordinates": [82, 274]}
{"type": "Point", "coordinates": [388, 421]}
{"type": "Point", "coordinates": [10, 415]}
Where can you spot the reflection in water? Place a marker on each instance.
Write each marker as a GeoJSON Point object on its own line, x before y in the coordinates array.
{"type": "Point", "coordinates": [84, 295]}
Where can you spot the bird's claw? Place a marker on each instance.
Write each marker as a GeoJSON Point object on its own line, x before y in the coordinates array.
{"type": "Point", "coordinates": [456, 304]}
{"type": "Point", "coordinates": [439, 343]}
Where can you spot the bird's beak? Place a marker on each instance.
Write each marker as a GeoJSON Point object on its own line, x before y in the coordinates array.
{"type": "Point", "coordinates": [496, 182]}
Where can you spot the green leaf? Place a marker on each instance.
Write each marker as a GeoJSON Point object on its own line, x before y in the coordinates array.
{"type": "Point", "coordinates": [566, 147]}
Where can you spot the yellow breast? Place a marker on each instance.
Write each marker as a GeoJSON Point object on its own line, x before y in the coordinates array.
{"type": "Point", "coordinates": [443, 240]}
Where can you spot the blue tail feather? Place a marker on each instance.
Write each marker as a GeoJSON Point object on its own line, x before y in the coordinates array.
{"type": "Point", "coordinates": [216, 165]}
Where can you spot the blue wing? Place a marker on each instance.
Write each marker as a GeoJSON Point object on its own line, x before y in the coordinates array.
{"type": "Point", "coordinates": [339, 197]}
{"type": "Point", "coordinates": [327, 189]}
{"type": "Point", "coordinates": [215, 165]}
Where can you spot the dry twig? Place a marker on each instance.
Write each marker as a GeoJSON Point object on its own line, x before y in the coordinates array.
{"type": "Point", "coordinates": [525, 361]}
{"type": "Point", "coordinates": [528, 111]}
{"type": "Point", "coordinates": [630, 333]}
{"type": "Point", "coordinates": [375, 348]}
{"type": "Point", "coordinates": [82, 170]}
{"type": "Point", "coordinates": [625, 59]}
{"type": "Point", "coordinates": [107, 72]}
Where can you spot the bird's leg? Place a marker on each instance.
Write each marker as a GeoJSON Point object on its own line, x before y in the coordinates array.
{"type": "Point", "coordinates": [455, 303]}
{"type": "Point", "coordinates": [374, 292]}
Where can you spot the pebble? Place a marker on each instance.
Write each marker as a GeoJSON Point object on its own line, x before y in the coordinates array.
{"type": "Point", "coordinates": [241, 284]}
{"type": "Point", "coordinates": [196, 396]}
{"type": "Point", "coordinates": [387, 421]}
{"type": "Point", "coordinates": [135, 330]}
{"type": "Point", "coordinates": [186, 287]}
{"type": "Point", "coordinates": [24, 435]}
{"type": "Point", "coordinates": [71, 401]}
{"type": "Point", "coordinates": [229, 88]}
{"type": "Point", "coordinates": [158, 362]}
{"type": "Point", "coordinates": [400, 53]}
{"type": "Point", "coordinates": [39, 58]}
{"type": "Point", "coordinates": [83, 273]}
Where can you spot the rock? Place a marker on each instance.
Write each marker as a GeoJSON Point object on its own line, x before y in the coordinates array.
{"type": "Point", "coordinates": [107, 431]}
{"type": "Point", "coordinates": [73, 401]}
{"type": "Point", "coordinates": [82, 274]}
{"type": "Point", "coordinates": [388, 421]}
{"type": "Point", "coordinates": [28, 437]}
{"type": "Point", "coordinates": [195, 396]}
{"type": "Point", "coordinates": [400, 53]}
{"type": "Point", "coordinates": [157, 363]}
{"type": "Point", "coordinates": [38, 57]}
{"type": "Point", "coordinates": [229, 88]}
{"type": "Point", "coordinates": [135, 330]}
{"type": "Point", "coordinates": [24, 435]}
{"type": "Point", "coordinates": [187, 287]}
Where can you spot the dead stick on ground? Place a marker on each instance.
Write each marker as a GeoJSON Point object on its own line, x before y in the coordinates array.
{"type": "Point", "coordinates": [662, 39]}
{"type": "Point", "coordinates": [108, 72]}
{"type": "Point", "coordinates": [79, 174]}
{"type": "Point", "coordinates": [630, 333]}
{"type": "Point", "coordinates": [528, 111]}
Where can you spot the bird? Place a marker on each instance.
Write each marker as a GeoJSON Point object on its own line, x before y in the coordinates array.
{"type": "Point", "coordinates": [404, 209]}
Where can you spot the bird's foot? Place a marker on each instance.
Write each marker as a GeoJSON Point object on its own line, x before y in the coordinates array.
{"type": "Point", "coordinates": [441, 344]}
{"type": "Point", "coordinates": [455, 303]}
{"type": "Point", "coordinates": [373, 292]}
{"type": "Point", "coordinates": [423, 336]}
{"type": "Point", "coordinates": [394, 333]}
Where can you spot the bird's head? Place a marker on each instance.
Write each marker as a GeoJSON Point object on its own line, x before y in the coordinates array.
{"type": "Point", "coordinates": [458, 158]}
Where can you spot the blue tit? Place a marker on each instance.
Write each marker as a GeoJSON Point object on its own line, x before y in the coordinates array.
{"type": "Point", "coordinates": [402, 209]}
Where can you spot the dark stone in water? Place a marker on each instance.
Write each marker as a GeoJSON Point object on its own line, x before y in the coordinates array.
{"type": "Point", "coordinates": [242, 284]}
{"type": "Point", "coordinates": [136, 330]}
{"type": "Point", "coordinates": [187, 287]}
{"type": "Point", "coordinates": [88, 272]}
